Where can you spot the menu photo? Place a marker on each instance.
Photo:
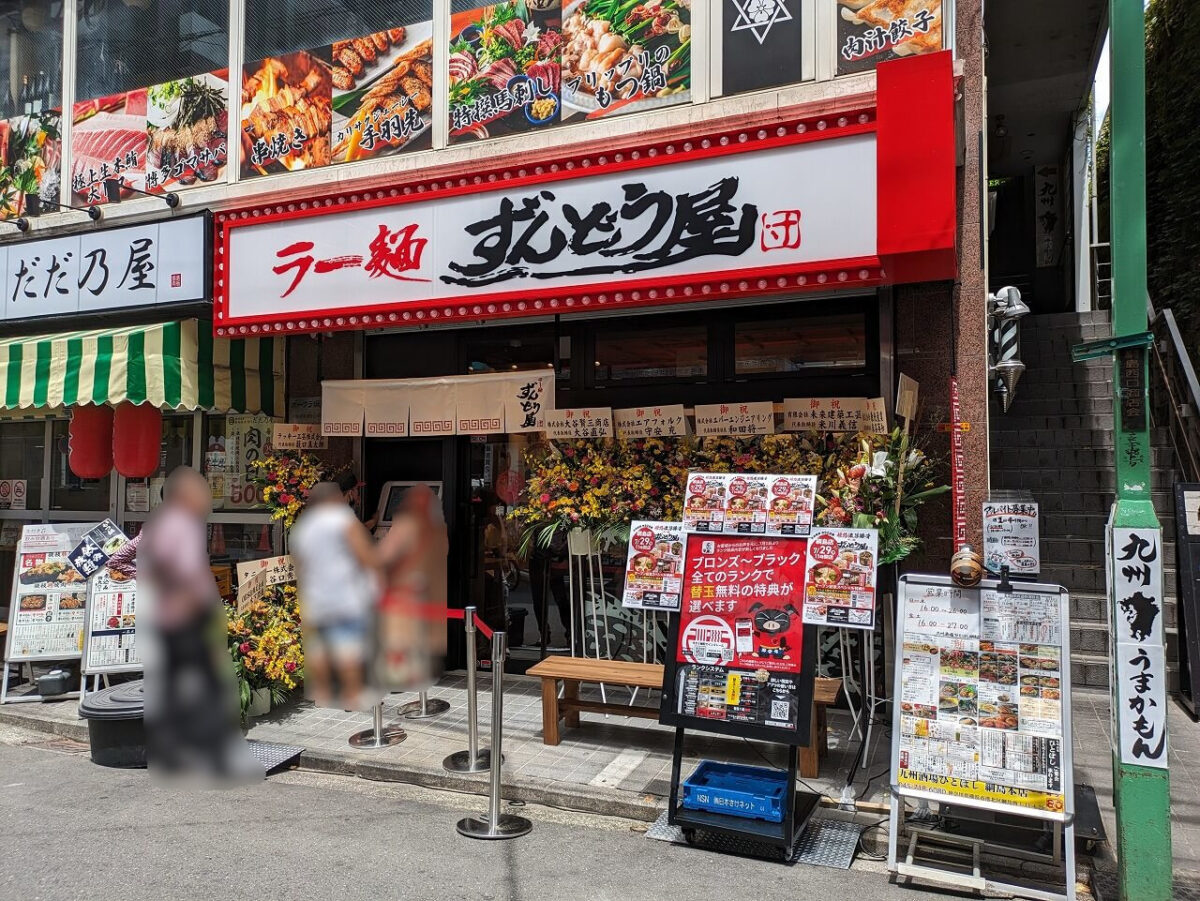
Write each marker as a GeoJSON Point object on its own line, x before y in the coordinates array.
{"type": "Point", "coordinates": [654, 567]}
{"type": "Point", "coordinates": [840, 578]}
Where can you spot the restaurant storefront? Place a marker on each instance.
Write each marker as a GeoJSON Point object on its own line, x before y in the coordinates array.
{"type": "Point", "coordinates": [117, 323]}
{"type": "Point", "coordinates": [734, 266]}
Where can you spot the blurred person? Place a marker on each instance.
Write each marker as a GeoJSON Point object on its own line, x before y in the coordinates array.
{"type": "Point", "coordinates": [546, 571]}
{"type": "Point", "coordinates": [337, 578]}
{"type": "Point", "coordinates": [411, 637]}
{"type": "Point", "coordinates": [191, 695]}
{"type": "Point", "coordinates": [351, 487]}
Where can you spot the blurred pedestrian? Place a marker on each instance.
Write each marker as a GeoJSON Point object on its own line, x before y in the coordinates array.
{"type": "Point", "coordinates": [352, 487]}
{"type": "Point", "coordinates": [337, 576]}
{"type": "Point", "coordinates": [191, 695]}
{"type": "Point", "coordinates": [411, 638]}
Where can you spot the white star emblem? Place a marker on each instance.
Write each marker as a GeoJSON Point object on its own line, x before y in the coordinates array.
{"type": "Point", "coordinates": [759, 15]}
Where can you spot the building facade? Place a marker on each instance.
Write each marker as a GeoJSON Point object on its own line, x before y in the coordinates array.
{"type": "Point", "coordinates": [661, 203]}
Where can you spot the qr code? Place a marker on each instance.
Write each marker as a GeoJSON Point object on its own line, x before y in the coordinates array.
{"type": "Point", "coordinates": [779, 710]}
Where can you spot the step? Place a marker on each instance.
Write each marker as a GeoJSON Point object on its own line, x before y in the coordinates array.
{"type": "Point", "coordinates": [1089, 669]}
{"type": "Point", "coordinates": [1088, 609]}
{"type": "Point", "coordinates": [1090, 578]}
{"type": "Point", "coordinates": [1043, 390]}
{"type": "Point", "coordinates": [1007, 457]}
{"type": "Point", "coordinates": [1042, 321]}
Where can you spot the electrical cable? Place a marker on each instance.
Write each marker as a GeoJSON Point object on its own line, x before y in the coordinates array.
{"type": "Point", "coordinates": [862, 850]}
{"type": "Point", "coordinates": [779, 769]}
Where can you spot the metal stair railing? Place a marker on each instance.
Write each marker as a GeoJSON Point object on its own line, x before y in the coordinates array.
{"type": "Point", "coordinates": [1176, 406]}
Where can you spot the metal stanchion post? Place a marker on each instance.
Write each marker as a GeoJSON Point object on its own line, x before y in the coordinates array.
{"type": "Point", "coordinates": [424, 707]}
{"type": "Point", "coordinates": [472, 760]}
{"type": "Point", "coordinates": [494, 824]}
{"type": "Point", "coordinates": [378, 736]}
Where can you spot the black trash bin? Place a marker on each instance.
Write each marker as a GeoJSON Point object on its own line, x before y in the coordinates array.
{"type": "Point", "coordinates": [115, 727]}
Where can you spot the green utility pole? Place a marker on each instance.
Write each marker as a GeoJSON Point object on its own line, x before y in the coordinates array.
{"type": "Point", "coordinates": [1142, 793]}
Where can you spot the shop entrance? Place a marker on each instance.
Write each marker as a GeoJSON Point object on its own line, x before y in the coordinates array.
{"type": "Point", "coordinates": [481, 478]}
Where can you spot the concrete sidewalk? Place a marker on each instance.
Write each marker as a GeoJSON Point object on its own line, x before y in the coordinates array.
{"type": "Point", "coordinates": [621, 765]}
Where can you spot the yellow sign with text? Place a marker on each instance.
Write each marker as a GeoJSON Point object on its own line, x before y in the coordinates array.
{"type": "Point", "coordinates": [733, 689]}
{"type": "Point", "coordinates": [982, 791]}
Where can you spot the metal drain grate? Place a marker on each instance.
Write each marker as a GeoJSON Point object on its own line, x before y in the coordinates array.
{"type": "Point", "coordinates": [272, 756]}
{"type": "Point", "coordinates": [825, 843]}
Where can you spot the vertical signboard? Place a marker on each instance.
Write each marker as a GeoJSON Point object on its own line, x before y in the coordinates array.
{"type": "Point", "coordinates": [46, 611]}
{"type": "Point", "coordinates": [740, 659]}
{"type": "Point", "coordinates": [1137, 624]}
{"type": "Point", "coordinates": [983, 684]}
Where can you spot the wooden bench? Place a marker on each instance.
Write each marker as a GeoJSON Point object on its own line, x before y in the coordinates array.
{"type": "Point", "coordinates": [573, 670]}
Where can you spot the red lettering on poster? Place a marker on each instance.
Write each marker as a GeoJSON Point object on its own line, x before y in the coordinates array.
{"type": "Point", "coordinates": [741, 602]}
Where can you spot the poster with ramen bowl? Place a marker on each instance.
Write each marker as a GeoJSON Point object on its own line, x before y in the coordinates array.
{"type": "Point", "coordinates": [704, 501]}
{"type": "Point", "coordinates": [791, 505]}
{"type": "Point", "coordinates": [746, 502]}
{"type": "Point", "coordinates": [654, 567]}
{"type": "Point", "coordinates": [841, 575]}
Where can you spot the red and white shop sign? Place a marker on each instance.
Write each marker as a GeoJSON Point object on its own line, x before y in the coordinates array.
{"type": "Point", "coordinates": [826, 202]}
{"type": "Point", "coordinates": [741, 602]}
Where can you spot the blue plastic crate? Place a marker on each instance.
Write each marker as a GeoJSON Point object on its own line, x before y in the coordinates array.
{"type": "Point", "coordinates": [739, 791]}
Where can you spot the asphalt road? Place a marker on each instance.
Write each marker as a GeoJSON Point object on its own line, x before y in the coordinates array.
{"type": "Point", "coordinates": [74, 830]}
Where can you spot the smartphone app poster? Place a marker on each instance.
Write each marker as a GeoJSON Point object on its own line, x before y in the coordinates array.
{"type": "Point", "coordinates": [741, 602]}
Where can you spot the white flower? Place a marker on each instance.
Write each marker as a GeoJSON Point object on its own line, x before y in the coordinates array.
{"type": "Point", "coordinates": [879, 464]}
{"type": "Point", "coordinates": [531, 34]}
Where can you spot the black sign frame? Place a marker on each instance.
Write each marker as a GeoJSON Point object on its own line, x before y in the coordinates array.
{"type": "Point", "coordinates": [1187, 600]}
{"type": "Point", "coordinates": [800, 737]}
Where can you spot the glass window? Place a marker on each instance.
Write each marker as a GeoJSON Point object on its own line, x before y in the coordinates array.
{"type": "Point", "coordinates": [334, 81]}
{"type": "Point", "coordinates": [30, 106]}
{"type": "Point", "coordinates": [10, 534]}
{"type": "Point", "coordinates": [631, 354]}
{"type": "Point", "coordinates": [152, 96]}
{"type": "Point", "coordinates": [142, 494]}
{"type": "Point", "coordinates": [67, 490]}
{"type": "Point", "coordinates": [231, 444]}
{"type": "Point", "coordinates": [795, 345]}
{"type": "Point", "coordinates": [22, 456]}
{"type": "Point", "coordinates": [509, 353]}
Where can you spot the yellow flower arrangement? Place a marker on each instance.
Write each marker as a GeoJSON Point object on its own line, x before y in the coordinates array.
{"type": "Point", "coordinates": [265, 644]}
{"type": "Point", "coordinates": [284, 479]}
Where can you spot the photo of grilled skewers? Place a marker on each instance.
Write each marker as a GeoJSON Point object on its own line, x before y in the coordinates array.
{"type": "Point", "coordinates": [382, 92]}
{"type": "Point", "coordinates": [286, 113]}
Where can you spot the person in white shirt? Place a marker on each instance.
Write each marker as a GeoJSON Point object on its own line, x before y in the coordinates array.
{"type": "Point", "coordinates": [337, 575]}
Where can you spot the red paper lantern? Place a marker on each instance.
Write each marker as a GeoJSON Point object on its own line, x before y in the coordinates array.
{"type": "Point", "coordinates": [137, 440]}
{"type": "Point", "coordinates": [90, 441]}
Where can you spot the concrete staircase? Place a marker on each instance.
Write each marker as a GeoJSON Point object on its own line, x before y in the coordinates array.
{"type": "Point", "coordinates": [1056, 441]}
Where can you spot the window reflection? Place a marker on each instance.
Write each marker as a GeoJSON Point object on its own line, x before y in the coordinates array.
{"type": "Point", "coordinates": [794, 345]}
{"type": "Point", "coordinates": [679, 352]}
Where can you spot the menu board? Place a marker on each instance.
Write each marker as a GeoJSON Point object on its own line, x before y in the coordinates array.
{"type": "Point", "coordinates": [704, 501]}
{"type": "Point", "coordinates": [984, 701]}
{"type": "Point", "coordinates": [742, 662]}
{"type": "Point", "coordinates": [840, 578]}
{"type": "Point", "coordinates": [1010, 537]}
{"type": "Point", "coordinates": [46, 613]}
{"type": "Point", "coordinates": [110, 645]}
{"type": "Point", "coordinates": [654, 568]}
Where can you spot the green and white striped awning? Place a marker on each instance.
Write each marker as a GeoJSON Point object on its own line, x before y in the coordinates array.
{"type": "Point", "coordinates": [174, 365]}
